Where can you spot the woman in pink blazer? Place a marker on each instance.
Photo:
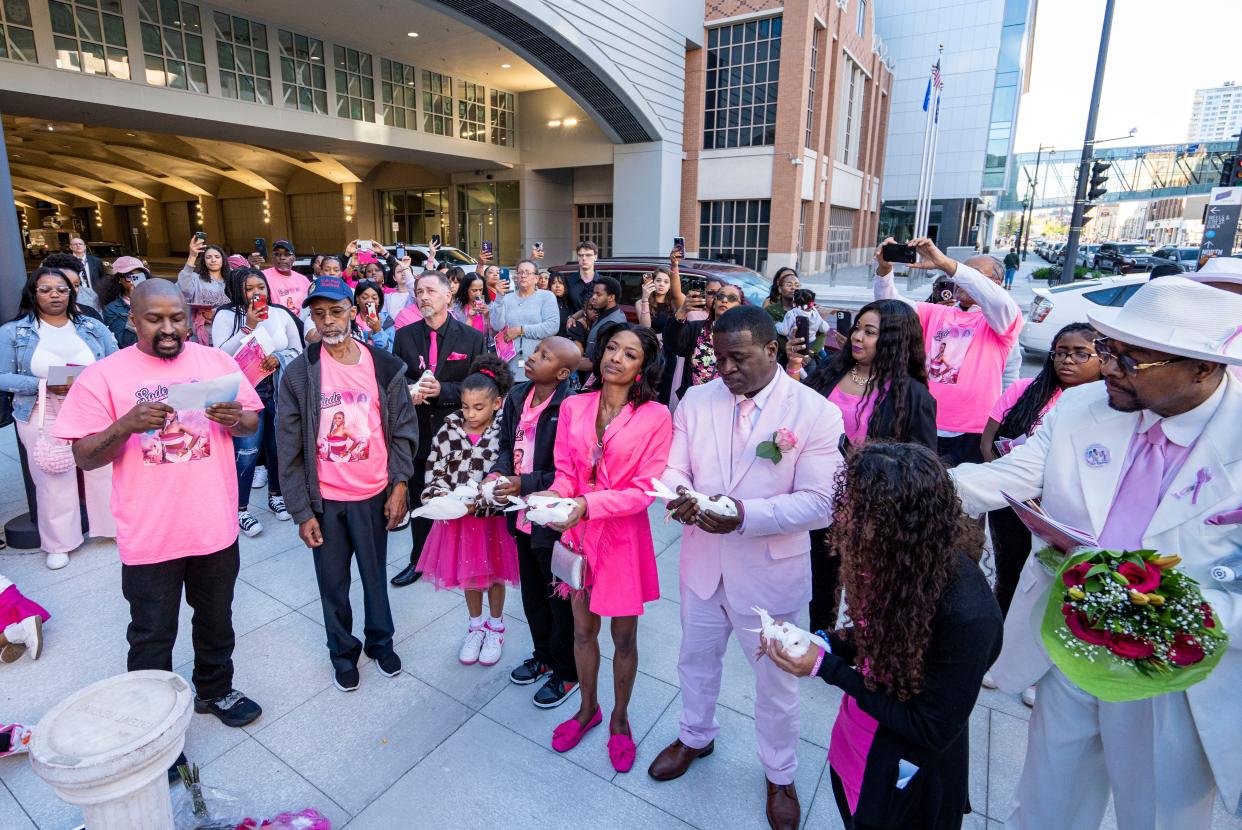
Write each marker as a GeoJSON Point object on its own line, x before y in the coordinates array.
{"type": "Point", "coordinates": [609, 445]}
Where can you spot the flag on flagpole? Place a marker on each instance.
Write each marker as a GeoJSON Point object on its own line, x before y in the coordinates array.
{"type": "Point", "coordinates": [932, 82]}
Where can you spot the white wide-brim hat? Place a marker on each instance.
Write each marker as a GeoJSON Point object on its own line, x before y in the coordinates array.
{"type": "Point", "coordinates": [1219, 269]}
{"type": "Point", "coordinates": [1179, 316]}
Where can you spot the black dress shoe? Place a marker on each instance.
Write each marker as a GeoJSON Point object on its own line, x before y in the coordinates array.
{"type": "Point", "coordinates": [407, 577]}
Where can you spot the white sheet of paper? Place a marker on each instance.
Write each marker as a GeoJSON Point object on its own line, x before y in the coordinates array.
{"type": "Point", "coordinates": [202, 394]}
{"type": "Point", "coordinates": [61, 375]}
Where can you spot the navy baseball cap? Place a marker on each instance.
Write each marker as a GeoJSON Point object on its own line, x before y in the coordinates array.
{"type": "Point", "coordinates": [330, 288]}
{"type": "Point", "coordinates": [283, 243]}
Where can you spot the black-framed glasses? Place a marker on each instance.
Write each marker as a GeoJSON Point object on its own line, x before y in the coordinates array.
{"type": "Point", "coordinates": [1078, 356]}
{"type": "Point", "coordinates": [1128, 364]}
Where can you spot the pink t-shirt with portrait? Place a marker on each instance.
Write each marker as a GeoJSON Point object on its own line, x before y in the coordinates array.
{"type": "Point", "coordinates": [524, 445]}
{"type": "Point", "coordinates": [856, 419]}
{"type": "Point", "coordinates": [1010, 396]}
{"type": "Point", "coordinates": [287, 289]}
{"type": "Point", "coordinates": [174, 489]}
{"type": "Point", "coordinates": [965, 363]}
{"type": "Point", "coordinates": [351, 453]}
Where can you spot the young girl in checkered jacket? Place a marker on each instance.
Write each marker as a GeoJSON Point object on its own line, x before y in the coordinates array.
{"type": "Point", "coordinates": [476, 552]}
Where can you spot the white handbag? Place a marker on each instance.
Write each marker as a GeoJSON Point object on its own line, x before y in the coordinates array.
{"type": "Point", "coordinates": [54, 456]}
{"type": "Point", "coordinates": [568, 566]}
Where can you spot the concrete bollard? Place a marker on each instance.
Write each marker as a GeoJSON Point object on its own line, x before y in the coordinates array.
{"type": "Point", "coordinates": [107, 748]}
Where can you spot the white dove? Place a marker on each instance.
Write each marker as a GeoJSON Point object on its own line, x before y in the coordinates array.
{"type": "Point", "coordinates": [452, 506]}
{"type": "Point", "coordinates": [543, 510]}
{"type": "Point", "coordinates": [488, 491]}
{"type": "Point", "coordinates": [724, 506]}
{"type": "Point", "coordinates": [794, 640]}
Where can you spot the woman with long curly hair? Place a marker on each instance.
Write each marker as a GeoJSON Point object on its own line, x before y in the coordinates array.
{"type": "Point", "coordinates": [924, 627]}
{"type": "Point", "coordinates": [879, 382]}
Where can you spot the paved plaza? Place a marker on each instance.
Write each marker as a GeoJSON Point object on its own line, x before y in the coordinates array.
{"type": "Point", "coordinates": [440, 745]}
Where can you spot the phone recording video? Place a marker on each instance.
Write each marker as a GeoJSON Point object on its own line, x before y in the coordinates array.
{"type": "Point", "coordinates": [845, 323]}
{"type": "Point", "coordinates": [896, 252]}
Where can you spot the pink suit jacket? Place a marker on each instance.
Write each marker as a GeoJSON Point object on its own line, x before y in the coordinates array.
{"type": "Point", "coordinates": [616, 535]}
{"type": "Point", "coordinates": [767, 562]}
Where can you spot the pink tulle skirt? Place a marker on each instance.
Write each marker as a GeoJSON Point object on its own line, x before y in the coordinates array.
{"type": "Point", "coordinates": [14, 607]}
{"type": "Point", "coordinates": [469, 553]}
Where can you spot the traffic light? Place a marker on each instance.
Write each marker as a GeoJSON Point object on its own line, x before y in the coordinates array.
{"type": "Point", "coordinates": [1235, 171]}
{"type": "Point", "coordinates": [1099, 177]}
{"type": "Point", "coordinates": [1227, 167]}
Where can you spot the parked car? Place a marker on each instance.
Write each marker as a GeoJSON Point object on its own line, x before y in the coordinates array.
{"type": "Point", "coordinates": [1054, 308]}
{"type": "Point", "coordinates": [1183, 257]}
{"type": "Point", "coordinates": [110, 251]}
{"type": "Point", "coordinates": [1086, 255]}
{"type": "Point", "coordinates": [1123, 257]}
{"type": "Point", "coordinates": [629, 272]}
{"type": "Point", "coordinates": [417, 253]}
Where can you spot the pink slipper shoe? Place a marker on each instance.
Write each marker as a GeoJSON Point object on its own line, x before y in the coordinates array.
{"type": "Point", "coordinates": [621, 751]}
{"type": "Point", "coordinates": [566, 736]}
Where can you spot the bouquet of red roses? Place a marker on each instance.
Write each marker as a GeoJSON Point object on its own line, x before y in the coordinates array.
{"type": "Point", "coordinates": [1128, 625]}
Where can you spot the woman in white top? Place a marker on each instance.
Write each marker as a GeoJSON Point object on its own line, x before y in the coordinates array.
{"type": "Point", "coordinates": [522, 318]}
{"type": "Point", "coordinates": [203, 281]}
{"type": "Point", "coordinates": [247, 316]}
{"type": "Point", "coordinates": [49, 333]}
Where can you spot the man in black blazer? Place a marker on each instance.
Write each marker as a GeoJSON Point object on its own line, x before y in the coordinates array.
{"type": "Point", "coordinates": [93, 275]}
{"type": "Point", "coordinates": [446, 347]}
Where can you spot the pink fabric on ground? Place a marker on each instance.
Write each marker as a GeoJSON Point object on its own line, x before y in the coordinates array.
{"type": "Point", "coordinates": [856, 420]}
{"type": "Point", "coordinates": [470, 553]}
{"type": "Point", "coordinates": [15, 607]}
{"type": "Point", "coordinates": [852, 735]}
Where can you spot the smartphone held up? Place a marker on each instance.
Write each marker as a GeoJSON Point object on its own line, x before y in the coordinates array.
{"type": "Point", "coordinates": [895, 252]}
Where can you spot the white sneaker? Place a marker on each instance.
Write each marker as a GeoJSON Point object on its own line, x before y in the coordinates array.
{"type": "Point", "coordinates": [988, 682]}
{"type": "Point", "coordinates": [249, 524]}
{"type": "Point", "coordinates": [276, 504]}
{"type": "Point", "coordinates": [470, 649]}
{"type": "Point", "coordinates": [1028, 696]}
{"type": "Point", "coordinates": [260, 478]}
{"type": "Point", "coordinates": [56, 561]}
{"type": "Point", "coordinates": [493, 645]}
{"type": "Point", "coordinates": [31, 635]}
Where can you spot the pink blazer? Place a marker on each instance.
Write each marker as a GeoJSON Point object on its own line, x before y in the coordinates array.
{"type": "Point", "coordinates": [766, 562]}
{"type": "Point", "coordinates": [616, 535]}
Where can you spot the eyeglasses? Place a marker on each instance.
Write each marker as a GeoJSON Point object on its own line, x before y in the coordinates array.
{"type": "Point", "coordinates": [1078, 356]}
{"type": "Point", "coordinates": [45, 290]}
{"type": "Point", "coordinates": [1128, 364]}
{"type": "Point", "coordinates": [728, 298]}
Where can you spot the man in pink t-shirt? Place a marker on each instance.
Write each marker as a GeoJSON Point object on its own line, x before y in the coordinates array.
{"type": "Point", "coordinates": [174, 489]}
{"type": "Point", "coordinates": [967, 343]}
{"type": "Point", "coordinates": [346, 437]}
{"type": "Point", "coordinates": [287, 286]}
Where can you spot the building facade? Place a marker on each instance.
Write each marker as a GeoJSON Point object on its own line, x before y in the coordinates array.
{"type": "Point", "coordinates": [985, 65]}
{"type": "Point", "coordinates": [1175, 221]}
{"type": "Point", "coordinates": [1215, 113]}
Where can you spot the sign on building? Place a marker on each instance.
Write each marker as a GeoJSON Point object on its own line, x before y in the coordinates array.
{"type": "Point", "coordinates": [1220, 221]}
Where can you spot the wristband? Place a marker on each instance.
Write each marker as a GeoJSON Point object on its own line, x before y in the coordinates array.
{"type": "Point", "coordinates": [819, 661]}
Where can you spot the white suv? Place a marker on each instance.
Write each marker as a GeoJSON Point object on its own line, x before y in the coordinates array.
{"type": "Point", "coordinates": [1057, 307]}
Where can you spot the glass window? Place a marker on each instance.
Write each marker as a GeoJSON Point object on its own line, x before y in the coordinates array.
{"type": "Point", "coordinates": [489, 212]}
{"type": "Point", "coordinates": [503, 117]}
{"type": "Point", "coordinates": [743, 64]}
{"type": "Point", "coordinates": [172, 44]}
{"type": "Point", "coordinates": [303, 76]}
{"type": "Point", "coordinates": [840, 233]}
{"type": "Point", "coordinates": [810, 95]}
{"type": "Point", "coordinates": [595, 225]}
{"type": "Point", "coordinates": [245, 64]}
{"type": "Point", "coordinates": [862, 17]}
{"type": "Point", "coordinates": [417, 214]}
{"type": "Point", "coordinates": [83, 36]}
{"type": "Point", "coordinates": [735, 231]}
{"type": "Point", "coordinates": [17, 32]}
{"type": "Point", "coordinates": [471, 111]}
{"type": "Point", "coordinates": [853, 91]}
{"type": "Point", "coordinates": [437, 103]}
{"type": "Point", "coordinates": [398, 87]}
{"type": "Point", "coordinates": [355, 84]}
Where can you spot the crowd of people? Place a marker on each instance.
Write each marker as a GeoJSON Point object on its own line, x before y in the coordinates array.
{"type": "Point", "coordinates": [817, 473]}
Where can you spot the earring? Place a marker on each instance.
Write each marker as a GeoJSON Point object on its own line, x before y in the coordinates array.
{"type": "Point", "coordinates": [639, 378]}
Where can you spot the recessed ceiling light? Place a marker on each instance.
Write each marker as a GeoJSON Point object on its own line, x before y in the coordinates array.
{"type": "Point", "coordinates": [554, 122]}
{"type": "Point", "coordinates": [132, 135]}
{"type": "Point", "coordinates": [506, 66]}
{"type": "Point", "coordinates": [571, 122]}
{"type": "Point", "coordinates": [411, 34]}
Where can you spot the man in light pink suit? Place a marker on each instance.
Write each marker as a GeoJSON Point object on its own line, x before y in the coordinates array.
{"type": "Point", "coordinates": [772, 446]}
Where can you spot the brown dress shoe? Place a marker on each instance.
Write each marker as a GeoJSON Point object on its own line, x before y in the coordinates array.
{"type": "Point", "coordinates": [676, 759]}
{"type": "Point", "coordinates": [784, 811]}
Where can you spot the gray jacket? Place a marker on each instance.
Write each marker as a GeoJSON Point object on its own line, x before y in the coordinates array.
{"type": "Point", "coordinates": [297, 427]}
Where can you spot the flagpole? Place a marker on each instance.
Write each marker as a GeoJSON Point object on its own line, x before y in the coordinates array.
{"type": "Point", "coordinates": [918, 205]}
{"type": "Point", "coordinates": [931, 166]}
{"type": "Point", "coordinates": [927, 169]}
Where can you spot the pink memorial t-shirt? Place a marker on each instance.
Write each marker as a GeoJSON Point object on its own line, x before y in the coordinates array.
{"type": "Point", "coordinates": [1010, 396]}
{"type": "Point", "coordinates": [174, 490]}
{"type": "Point", "coordinates": [856, 419]}
{"type": "Point", "coordinates": [965, 362]}
{"type": "Point", "coordinates": [352, 454]}
{"type": "Point", "coordinates": [524, 444]}
{"type": "Point", "coordinates": [287, 289]}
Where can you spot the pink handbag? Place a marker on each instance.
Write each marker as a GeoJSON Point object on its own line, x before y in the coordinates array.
{"type": "Point", "coordinates": [54, 456]}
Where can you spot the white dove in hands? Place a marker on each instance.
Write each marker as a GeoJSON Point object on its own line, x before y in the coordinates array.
{"type": "Point", "coordinates": [795, 641]}
{"type": "Point", "coordinates": [543, 510]}
{"type": "Point", "coordinates": [721, 506]}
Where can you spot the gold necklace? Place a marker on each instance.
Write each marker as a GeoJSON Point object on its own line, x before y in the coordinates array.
{"type": "Point", "coordinates": [861, 381]}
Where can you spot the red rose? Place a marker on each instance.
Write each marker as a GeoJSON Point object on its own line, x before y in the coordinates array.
{"type": "Point", "coordinates": [1066, 609]}
{"type": "Point", "coordinates": [1185, 651]}
{"type": "Point", "coordinates": [1143, 578]}
{"type": "Point", "coordinates": [1130, 647]}
{"type": "Point", "coordinates": [1208, 620]}
{"type": "Point", "coordinates": [1077, 575]}
{"type": "Point", "coordinates": [1080, 627]}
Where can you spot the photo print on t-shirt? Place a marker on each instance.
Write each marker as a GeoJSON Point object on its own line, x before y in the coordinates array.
{"type": "Point", "coordinates": [343, 432]}
{"type": "Point", "coordinates": [185, 436]}
{"type": "Point", "coordinates": [944, 364]}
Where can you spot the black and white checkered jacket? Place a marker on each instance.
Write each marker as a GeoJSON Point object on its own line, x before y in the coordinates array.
{"type": "Point", "coordinates": [455, 461]}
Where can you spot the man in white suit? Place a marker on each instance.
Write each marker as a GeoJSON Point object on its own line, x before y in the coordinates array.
{"type": "Point", "coordinates": [761, 557]}
{"type": "Point", "coordinates": [1150, 458]}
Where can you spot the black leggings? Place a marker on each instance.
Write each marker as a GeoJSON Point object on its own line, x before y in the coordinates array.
{"type": "Point", "coordinates": [1011, 545]}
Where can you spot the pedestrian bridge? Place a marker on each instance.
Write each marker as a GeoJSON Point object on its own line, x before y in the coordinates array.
{"type": "Point", "coordinates": [1157, 171]}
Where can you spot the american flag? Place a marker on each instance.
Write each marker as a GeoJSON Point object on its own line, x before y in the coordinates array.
{"type": "Point", "coordinates": [936, 82]}
{"type": "Point", "coordinates": [933, 81]}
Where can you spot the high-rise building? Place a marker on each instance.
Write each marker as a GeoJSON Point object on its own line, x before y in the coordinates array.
{"type": "Point", "coordinates": [1216, 114]}
{"type": "Point", "coordinates": [985, 65]}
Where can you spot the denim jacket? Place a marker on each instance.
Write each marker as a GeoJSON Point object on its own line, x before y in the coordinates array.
{"type": "Point", "coordinates": [18, 341]}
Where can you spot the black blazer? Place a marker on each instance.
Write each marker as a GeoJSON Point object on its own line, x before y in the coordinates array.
{"type": "Point", "coordinates": [679, 340]}
{"type": "Point", "coordinates": [920, 413]}
{"type": "Point", "coordinates": [98, 274]}
{"type": "Point", "coordinates": [413, 345]}
{"type": "Point", "coordinates": [930, 730]}
{"type": "Point", "coordinates": [544, 463]}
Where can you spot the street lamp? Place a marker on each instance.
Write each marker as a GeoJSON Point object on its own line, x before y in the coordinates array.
{"type": "Point", "coordinates": [1034, 181]}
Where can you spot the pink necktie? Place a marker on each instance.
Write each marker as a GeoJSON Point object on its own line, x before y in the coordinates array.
{"type": "Point", "coordinates": [1138, 496]}
{"type": "Point", "coordinates": [435, 352]}
{"type": "Point", "coordinates": [742, 429]}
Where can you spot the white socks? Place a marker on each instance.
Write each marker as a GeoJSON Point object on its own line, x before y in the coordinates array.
{"type": "Point", "coordinates": [496, 623]}
{"type": "Point", "coordinates": [476, 622]}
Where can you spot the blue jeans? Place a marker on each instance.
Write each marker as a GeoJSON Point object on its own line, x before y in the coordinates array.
{"type": "Point", "coordinates": [1009, 273]}
{"type": "Point", "coordinates": [246, 452]}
